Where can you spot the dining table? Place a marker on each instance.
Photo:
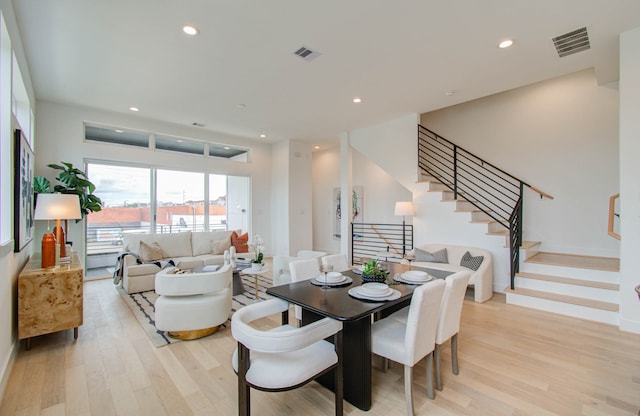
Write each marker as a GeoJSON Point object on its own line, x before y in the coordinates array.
{"type": "Point", "coordinates": [356, 315]}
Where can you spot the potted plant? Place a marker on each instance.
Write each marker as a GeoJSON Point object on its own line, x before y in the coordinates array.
{"type": "Point", "coordinates": [258, 248]}
{"type": "Point", "coordinates": [372, 271]}
{"type": "Point", "coordinates": [71, 180]}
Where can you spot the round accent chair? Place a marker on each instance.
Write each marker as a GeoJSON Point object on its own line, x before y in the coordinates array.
{"type": "Point", "coordinates": [193, 305]}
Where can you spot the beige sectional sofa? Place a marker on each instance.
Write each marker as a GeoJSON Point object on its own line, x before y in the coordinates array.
{"type": "Point", "coordinates": [185, 249]}
{"type": "Point", "coordinates": [481, 279]}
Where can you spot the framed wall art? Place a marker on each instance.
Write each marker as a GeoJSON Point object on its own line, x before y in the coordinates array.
{"type": "Point", "coordinates": [23, 198]}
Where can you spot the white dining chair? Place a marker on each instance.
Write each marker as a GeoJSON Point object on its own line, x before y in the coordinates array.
{"type": "Point", "coordinates": [337, 261]}
{"type": "Point", "coordinates": [407, 343]}
{"type": "Point", "coordinates": [303, 269]}
{"type": "Point", "coordinates": [285, 357]}
{"type": "Point", "coordinates": [449, 320]}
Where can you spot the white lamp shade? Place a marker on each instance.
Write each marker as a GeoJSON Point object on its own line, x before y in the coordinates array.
{"type": "Point", "coordinates": [57, 207]}
{"type": "Point", "coordinates": [404, 208]}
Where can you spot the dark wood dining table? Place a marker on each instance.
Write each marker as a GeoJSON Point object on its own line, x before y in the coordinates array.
{"type": "Point", "coordinates": [356, 315]}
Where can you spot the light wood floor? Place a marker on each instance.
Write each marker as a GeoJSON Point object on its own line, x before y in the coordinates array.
{"type": "Point", "coordinates": [513, 361]}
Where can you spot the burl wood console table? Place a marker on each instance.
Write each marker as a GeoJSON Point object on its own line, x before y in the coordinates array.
{"type": "Point", "coordinates": [49, 300]}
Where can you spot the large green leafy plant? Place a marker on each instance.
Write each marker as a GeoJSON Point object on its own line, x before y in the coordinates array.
{"type": "Point", "coordinates": [71, 180]}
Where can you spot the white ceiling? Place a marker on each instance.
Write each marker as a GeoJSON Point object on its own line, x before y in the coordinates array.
{"type": "Point", "coordinates": [400, 56]}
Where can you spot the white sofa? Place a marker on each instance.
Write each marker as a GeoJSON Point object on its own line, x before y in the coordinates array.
{"type": "Point", "coordinates": [481, 279]}
{"type": "Point", "coordinates": [186, 250]}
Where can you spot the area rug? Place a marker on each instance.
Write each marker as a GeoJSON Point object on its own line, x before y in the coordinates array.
{"type": "Point", "coordinates": [142, 306]}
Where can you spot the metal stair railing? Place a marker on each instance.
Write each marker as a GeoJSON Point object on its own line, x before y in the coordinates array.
{"type": "Point", "coordinates": [488, 188]}
{"type": "Point", "coordinates": [382, 241]}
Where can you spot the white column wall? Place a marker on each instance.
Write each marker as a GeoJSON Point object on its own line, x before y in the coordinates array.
{"type": "Point", "coordinates": [280, 198]}
{"type": "Point", "coordinates": [300, 197]}
{"type": "Point", "coordinates": [629, 183]}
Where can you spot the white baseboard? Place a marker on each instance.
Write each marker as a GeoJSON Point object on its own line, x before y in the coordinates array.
{"type": "Point", "coordinates": [629, 326]}
{"type": "Point", "coordinates": [7, 366]}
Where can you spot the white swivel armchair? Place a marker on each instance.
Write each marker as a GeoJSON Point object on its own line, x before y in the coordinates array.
{"type": "Point", "coordinates": [193, 305]}
{"type": "Point", "coordinates": [409, 343]}
{"type": "Point", "coordinates": [337, 261]}
{"type": "Point", "coordinates": [285, 357]}
{"type": "Point", "coordinates": [449, 321]}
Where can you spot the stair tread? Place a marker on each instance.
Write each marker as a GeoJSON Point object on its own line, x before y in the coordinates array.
{"type": "Point", "coordinates": [590, 303]}
{"type": "Point", "coordinates": [570, 281]}
{"type": "Point", "coordinates": [526, 244]}
{"type": "Point", "coordinates": [488, 221]}
{"type": "Point", "coordinates": [500, 232]}
{"type": "Point", "coordinates": [574, 260]}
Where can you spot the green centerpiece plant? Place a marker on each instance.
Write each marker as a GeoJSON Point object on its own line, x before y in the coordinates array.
{"type": "Point", "coordinates": [372, 271]}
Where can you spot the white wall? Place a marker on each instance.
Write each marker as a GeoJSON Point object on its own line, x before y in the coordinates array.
{"type": "Point", "coordinates": [560, 136]}
{"type": "Point", "coordinates": [11, 263]}
{"type": "Point", "coordinates": [300, 197]}
{"type": "Point", "coordinates": [629, 174]}
{"type": "Point", "coordinates": [280, 198]}
{"type": "Point", "coordinates": [380, 192]}
{"type": "Point", "coordinates": [60, 138]}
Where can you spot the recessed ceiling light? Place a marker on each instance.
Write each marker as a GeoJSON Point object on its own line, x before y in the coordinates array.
{"type": "Point", "coordinates": [179, 140]}
{"type": "Point", "coordinates": [190, 30]}
{"type": "Point", "coordinates": [134, 109]}
{"type": "Point", "coordinates": [505, 43]}
{"type": "Point", "coordinates": [119, 131]}
{"type": "Point", "coordinates": [242, 106]}
{"type": "Point", "coordinates": [449, 93]}
{"type": "Point", "coordinates": [264, 136]}
{"type": "Point", "coordinates": [316, 147]}
{"type": "Point", "coordinates": [227, 148]}
{"type": "Point", "coordinates": [357, 100]}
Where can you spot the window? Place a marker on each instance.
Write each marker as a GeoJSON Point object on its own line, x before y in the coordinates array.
{"type": "Point", "coordinates": [148, 199]}
{"type": "Point", "coordinates": [125, 137]}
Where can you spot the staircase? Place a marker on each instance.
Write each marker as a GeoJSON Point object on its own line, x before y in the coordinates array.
{"type": "Point", "coordinates": [580, 286]}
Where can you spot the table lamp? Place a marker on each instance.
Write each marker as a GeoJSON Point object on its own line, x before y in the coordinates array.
{"type": "Point", "coordinates": [403, 208]}
{"type": "Point", "coordinates": [55, 207]}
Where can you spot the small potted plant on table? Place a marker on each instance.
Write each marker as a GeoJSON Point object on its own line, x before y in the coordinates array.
{"type": "Point", "coordinates": [258, 247]}
{"type": "Point", "coordinates": [372, 271]}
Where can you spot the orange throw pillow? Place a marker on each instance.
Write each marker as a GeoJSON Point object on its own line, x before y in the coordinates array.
{"type": "Point", "coordinates": [240, 242]}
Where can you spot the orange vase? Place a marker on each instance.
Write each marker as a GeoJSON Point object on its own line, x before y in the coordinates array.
{"type": "Point", "coordinates": [48, 250]}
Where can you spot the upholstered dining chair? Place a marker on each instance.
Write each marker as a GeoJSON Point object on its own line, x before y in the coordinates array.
{"type": "Point", "coordinates": [303, 269]}
{"type": "Point", "coordinates": [285, 357]}
{"type": "Point", "coordinates": [281, 271]}
{"type": "Point", "coordinates": [407, 343]}
{"type": "Point", "coordinates": [338, 261]}
{"type": "Point", "coordinates": [449, 320]}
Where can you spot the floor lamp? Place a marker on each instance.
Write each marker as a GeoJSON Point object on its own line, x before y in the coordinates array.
{"type": "Point", "coordinates": [55, 207]}
{"type": "Point", "coordinates": [404, 208]}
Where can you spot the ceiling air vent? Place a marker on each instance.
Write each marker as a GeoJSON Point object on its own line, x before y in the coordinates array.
{"type": "Point", "coordinates": [572, 42]}
{"type": "Point", "coordinates": [306, 53]}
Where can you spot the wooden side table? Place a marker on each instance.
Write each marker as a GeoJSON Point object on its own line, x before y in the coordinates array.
{"type": "Point", "coordinates": [49, 300]}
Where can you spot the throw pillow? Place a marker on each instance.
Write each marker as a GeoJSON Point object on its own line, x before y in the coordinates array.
{"type": "Point", "coordinates": [150, 252]}
{"type": "Point", "coordinates": [471, 262]}
{"type": "Point", "coordinates": [218, 247]}
{"type": "Point", "coordinates": [439, 256]}
{"type": "Point", "coordinates": [240, 242]}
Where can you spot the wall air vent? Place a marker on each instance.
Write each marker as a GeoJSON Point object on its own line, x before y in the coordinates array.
{"type": "Point", "coordinates": [306, 54]}
{"type": "Point", "coordinates": [572, 42]}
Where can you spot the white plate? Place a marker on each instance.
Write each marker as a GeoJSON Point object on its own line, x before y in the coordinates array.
{"type": "Point", "coordinates": [347, 280]}
{"type": "Point", "coordinates": [357, 269]}
{"type": "Point", "coordinates": [415, 275]}
{"type": "Point", "coordinates": [410, 278]}
{"type": "Point", "coordinates": [357, 294]}
{"type": "Point", "coordinates": [332, 279]}
{"type": "Point", "coordinates": [375, 290]}
{"type": "Point", "coordinates": [400, 278]}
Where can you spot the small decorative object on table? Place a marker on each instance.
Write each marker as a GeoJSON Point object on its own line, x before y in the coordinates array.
{"type": "Point", "coordinates": [372, 271]}
{"type": "Point", "coordinates": [258, 247]}
{"type": "Point", "coordinates": [638, 291]}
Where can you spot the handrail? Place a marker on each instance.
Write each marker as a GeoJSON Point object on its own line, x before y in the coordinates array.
{"type": "Point", "coordinates": [612, 214]}
{"type": "Point", "coordinates": [487, 187]}
{"type": "Point", "coordinates": [373, 240]}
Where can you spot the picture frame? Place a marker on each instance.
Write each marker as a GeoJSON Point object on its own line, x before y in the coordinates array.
{"type": "Point", "coordinates": [23, 197]}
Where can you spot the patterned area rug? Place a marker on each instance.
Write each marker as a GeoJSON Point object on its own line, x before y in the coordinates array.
{"type": "Point", "coordinates": [142, 306]}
